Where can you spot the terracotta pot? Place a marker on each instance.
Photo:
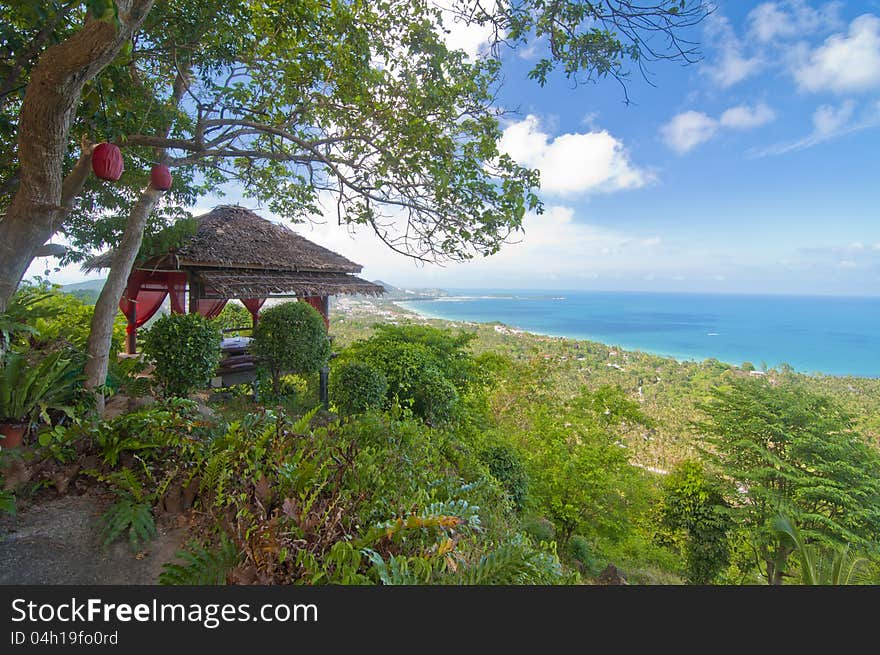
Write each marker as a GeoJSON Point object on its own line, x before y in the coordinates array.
{"type": "Point", "coordinates": [14, 433]}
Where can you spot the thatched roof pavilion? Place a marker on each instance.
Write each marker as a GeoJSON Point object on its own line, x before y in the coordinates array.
{"type": "Point", "coordinates": [236, 254]}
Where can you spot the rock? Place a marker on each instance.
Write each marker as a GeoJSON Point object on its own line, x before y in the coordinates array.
{"type": "Point", "coordinates": [15, 474]}
{"type": "Point", "coordinates": [172, 501]}
{"type": "Point", "coordinates": [611, 576]}
{"type": "Point", "coordinates": [140, 402]}
{"type": "Point", "coordinates": [191, 491]}
{"type": "Point", "coordinates": [64, 476]}
{"type": "Point", "coordinates": [206, 412]}
{"type": "Point", "coordinates": [116, 406]}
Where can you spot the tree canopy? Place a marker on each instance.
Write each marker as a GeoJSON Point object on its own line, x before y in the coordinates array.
{"type": "Point", "coordinates": [788, 449]}
{"type": "Point", "coordinates": [361, 104]}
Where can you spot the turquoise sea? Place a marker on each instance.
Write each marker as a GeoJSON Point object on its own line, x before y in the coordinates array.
{"type": "Point", "coordinates": [834, 335]}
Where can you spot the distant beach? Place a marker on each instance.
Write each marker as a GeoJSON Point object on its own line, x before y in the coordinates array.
{"type": "Point", "coordinates": [812, 334]}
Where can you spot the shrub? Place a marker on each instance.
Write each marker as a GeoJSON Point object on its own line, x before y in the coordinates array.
{"type": "Point", "coordinates": [56, 315]}
{"type": "Point", "coordinates": [694, 505]}
{"type": "Point", "coordinates": [186, 350]}
{"type": "Point", "coordinates": [414, 374]}
{"type": "Point", "coordinates": [540, 529]}
{"type": "Point", "coordinates": [291, 338]}
{"type": "Point", "coordinates": [357, 387]}
{"type": "Point", "coordinates": [581, 551]}
{"type": "Point", "coordinates": [30, 388]}
{"type": "Point", "coordinates": [506, 466]}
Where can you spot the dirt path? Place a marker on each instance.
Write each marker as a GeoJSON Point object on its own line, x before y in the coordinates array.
{"type": "Point", "coordinates": [57, 542]}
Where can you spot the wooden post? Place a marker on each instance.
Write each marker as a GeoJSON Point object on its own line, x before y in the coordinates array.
{"type": "Point", "coordinates": [194, 295]}
{"type": "Point", "coordinates": [132, 327]}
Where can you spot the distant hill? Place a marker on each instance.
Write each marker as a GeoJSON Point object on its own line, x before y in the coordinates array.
{"type": "Point", "coordinates": [87, 291]}
{"type": "Point", "coordinates": [88, 285]}
{"type": "Point", "coordinates": [396, 293]}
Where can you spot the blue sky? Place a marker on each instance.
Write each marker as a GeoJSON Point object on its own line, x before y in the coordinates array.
{"type": "Point", "coordinates": [755, 170]}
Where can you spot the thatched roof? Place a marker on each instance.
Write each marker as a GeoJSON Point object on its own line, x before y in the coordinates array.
{"type": "Point", "coordinates": [226, 283]}
{"type": "Point", "coordinates": [234, 237]}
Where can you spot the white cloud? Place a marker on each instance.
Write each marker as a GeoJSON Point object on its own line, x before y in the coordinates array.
{"type": "Point", "coordinates": [744, 117]}
{"type": "Point", "coordinates": [829, 122]}
{"type": "Point", "coordinates": [844, 63]}
{"type": "Point", "coordinates": [555, 244]}
{"type": "Point", "coordinates": [691, 128]}
{"type": "Point", "coordinates": [772, 21]}
{"type": "Point", "coordinates": [462, 34]}
{"type": "Point", "coordinates": [732, 64]}
{"type": "Point", "coordinates": [572, 163]}
{"type": "Point", "coordinates": [688, 130]}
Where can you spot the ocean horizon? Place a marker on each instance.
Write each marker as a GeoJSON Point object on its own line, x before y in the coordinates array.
{"type": "Point", "coordinates": [833, 335]}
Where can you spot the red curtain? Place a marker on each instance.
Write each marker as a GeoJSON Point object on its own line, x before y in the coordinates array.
{"type": "Point", "coordinates": [211, 308]}
{"type": "Point", "coordinates": [253, 306]}
{"type": "Point", "coordinates": [318, 302]}
{"type": "Point", "coordinates": [176, 283]}
{"type": "Point", "coordinates": [147, 290]}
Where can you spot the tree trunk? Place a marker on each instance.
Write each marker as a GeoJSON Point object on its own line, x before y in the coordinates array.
{"type": "Point", "coordinates": [50, 103]}
{"type": "Point", "coordinates": [101, 332]}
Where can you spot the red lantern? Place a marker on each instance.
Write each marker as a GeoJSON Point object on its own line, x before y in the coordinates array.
{"type": "Point", "coordinates": [160, 177]}
{"type": "Point", "coordinates": [107, 161]}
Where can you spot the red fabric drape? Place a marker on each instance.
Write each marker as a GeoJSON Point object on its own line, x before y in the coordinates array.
{"type": "Point", "coordinates": [211, 308]}
{"type": "Point", "coordinates": [253, 306]}
{"type": "Point", "coordinates": [147, 289]}
{"type": "Point", "coordinates": [177, 290]}
{"type": "Point", "coordinates": [318, 302]}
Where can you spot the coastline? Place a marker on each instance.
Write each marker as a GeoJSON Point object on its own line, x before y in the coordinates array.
{"type": "Point", "coordinates": [678, 357]}
{"type": "Point", "coordinates": [415, 306]}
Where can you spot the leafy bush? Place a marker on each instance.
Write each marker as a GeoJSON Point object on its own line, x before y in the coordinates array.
{"type": "Point", "coordinates": [291, 338]}
{"type": "Point", "coordinates": [357, 387]}
{"type": "Point", "coordinates": [540, 529]}
{"type": "Point", "coordinates": [186, 350]}
{"type": "Point", "coordinates": [30, 389]}
{"type": "Point", "coordinates": [506, 465]}
{"type": "Point", "coordinates": [694, 505]}
{"type": "Point", "coordinates": [54, 315]}
{"type": "Point", "coordinates": [414, 373]}
{"type": "Point", "coordinates": [581, 550]}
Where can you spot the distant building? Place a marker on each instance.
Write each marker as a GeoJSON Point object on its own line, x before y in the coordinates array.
{"type": "Point", "coordinates": [756, 374]}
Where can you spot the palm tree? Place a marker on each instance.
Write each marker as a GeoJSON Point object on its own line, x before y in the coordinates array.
{"type": "Point", "coordinates": [822, 565]}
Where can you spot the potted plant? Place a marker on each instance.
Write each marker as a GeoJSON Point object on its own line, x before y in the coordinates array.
{"type": "Point", "coordinates": [28, 390]}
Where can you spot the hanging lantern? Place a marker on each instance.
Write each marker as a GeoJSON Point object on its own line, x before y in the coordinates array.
{"type": "Point", "coordinates": [160, 177]}
{"type": "Point", "coordinates": [107, 161]}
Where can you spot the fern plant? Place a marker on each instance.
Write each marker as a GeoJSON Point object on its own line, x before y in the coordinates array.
{"type": "Point", "coordinates": [28, 390]}
{"type": "Point", "coordinates": [201, 566]}
{"type": "Point", "coordinates": [127, 514]}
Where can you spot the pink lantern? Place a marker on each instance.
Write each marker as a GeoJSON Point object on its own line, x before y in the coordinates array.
{"type": "Point", "coordinates": [107, 161]}
{"type": "Point", "coordinates": [160, 177]}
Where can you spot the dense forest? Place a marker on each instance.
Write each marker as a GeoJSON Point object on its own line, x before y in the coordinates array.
{"type": "Point", "coordinates": [450, 454]}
